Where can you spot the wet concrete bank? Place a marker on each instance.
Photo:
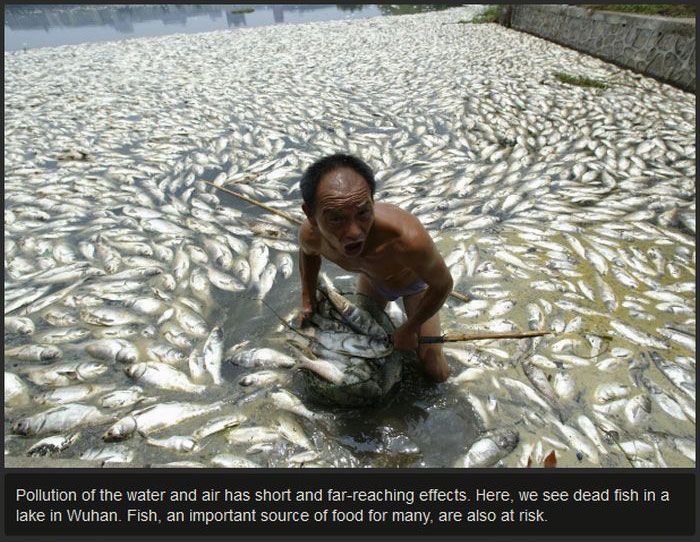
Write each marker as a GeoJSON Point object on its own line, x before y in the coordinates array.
{"type": "Point", "coordinates": [659, 47]}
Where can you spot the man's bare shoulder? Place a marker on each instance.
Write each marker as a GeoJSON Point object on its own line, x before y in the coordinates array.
{"type": "Point", "coordinates": [404, 225]}
{"type": "Point", "coordinates": [309, 239]}
{"type": "Point", "coordinates": [390, 210]}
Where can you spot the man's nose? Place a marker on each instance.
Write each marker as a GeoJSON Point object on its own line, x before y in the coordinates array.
{"type": "Point", "coordinates": [354, 231]}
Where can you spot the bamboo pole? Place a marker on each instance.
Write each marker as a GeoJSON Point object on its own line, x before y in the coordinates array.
{"type": "Point", "coordinates": [296, 221]}
{"type": "Point", "coordinates": [482, 337]}
{"type": "Point", "coordinates": [460, 296]}
{"type": "Point", "coordinates": [254, 202]}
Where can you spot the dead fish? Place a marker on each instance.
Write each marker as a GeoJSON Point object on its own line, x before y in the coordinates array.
{"type": "Point", "coordinates": [34, 352]}
{"type": "Point", "coordinates": [177, 443]}
{"type": "Point", "coordinates": [156, 417]}
{"type": "Point", "coordinates": [259, 357]}
{"type": "Point", "coordinates": [212, 354]}
{"type": "Point", "coordinates": [490, 448]}
{"type": "Point", "coordinates": [60, 419]}
{"type": "Point", "coordinates": [72, 394]}
{"type": "Point", "coordinates": [16, 391]}
{"type": "Point", "coordinates": [53, 444]}
{"type": "Point", "coordinates": [19, 324]}
{"type": "Point", "coordinates": [162, 376]}
{"type": "Point", "coordinates": [113, 350]}
{"type": "Point", "coordinates": [125, 398]}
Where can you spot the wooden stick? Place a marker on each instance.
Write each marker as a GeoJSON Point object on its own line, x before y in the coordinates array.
{"type": "Point", "coordinates": [456, 338]}
{"type": "Point", "coordinates": [460, 296]}
{"type": "Point", "coordinates": [296, 221]}
{"type": "Point", "coordinates": [254, 202]}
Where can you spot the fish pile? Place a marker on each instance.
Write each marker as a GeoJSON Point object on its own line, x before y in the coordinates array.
{"type": "Point", "coordinates": [346, 354]}
{"type": "Point", "coordinates": [129, 282]}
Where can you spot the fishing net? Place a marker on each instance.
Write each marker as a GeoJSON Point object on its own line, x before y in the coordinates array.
{"type": "Point", "coordinates": [385, 374]}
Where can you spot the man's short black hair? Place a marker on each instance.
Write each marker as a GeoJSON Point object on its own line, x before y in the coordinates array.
{"type": "Point", "coordinates": [313, 174]}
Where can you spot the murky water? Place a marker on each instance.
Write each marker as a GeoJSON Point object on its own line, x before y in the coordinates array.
{"type": "Point", "coordinates": [28, 27]}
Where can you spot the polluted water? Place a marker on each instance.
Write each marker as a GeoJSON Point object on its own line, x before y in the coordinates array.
{"type": "Point", "coordinates": [136, 325]}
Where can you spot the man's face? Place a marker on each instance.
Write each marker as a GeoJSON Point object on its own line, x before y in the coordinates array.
{"type": "Point", "coordinates": [344, 211]}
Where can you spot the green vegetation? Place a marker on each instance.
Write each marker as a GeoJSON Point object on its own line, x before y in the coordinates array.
{"type": "Point", "coordinates": [579, 81]}
{"type": "Point", "coordinates": [665, 10]}
{"type": "Point", "coordinates": [491, 15]}
{"type": "Point", "coordinates": [409, 9]}
{"type": "Point", "coordinates": [350, 7]}
{"type": "Point", "coordinates": [241, 11]}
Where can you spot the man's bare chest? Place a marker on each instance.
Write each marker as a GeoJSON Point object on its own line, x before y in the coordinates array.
{"type": "Point", "coordinates": [378, 263]}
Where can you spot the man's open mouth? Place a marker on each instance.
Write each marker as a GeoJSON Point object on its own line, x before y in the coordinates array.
{"type": "Point", "coordinates": [353, 249]}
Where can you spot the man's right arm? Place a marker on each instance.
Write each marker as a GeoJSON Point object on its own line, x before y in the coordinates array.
{"type": "Point", "coordinates": [309, 267]}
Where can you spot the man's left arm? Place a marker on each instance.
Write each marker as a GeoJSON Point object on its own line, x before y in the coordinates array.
{"type": "Point", "coordinates": [421, 256]}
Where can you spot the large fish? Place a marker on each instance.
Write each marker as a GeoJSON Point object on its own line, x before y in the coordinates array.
{"type": "Point", "coordinates": [350, 344]}
{"type": "Point", "coordinates": [60, 419]}
{"type": "Point", "coordinates": [162, 376]}
{"type": "Point", "coordinates": [358, 319]}
{"type": "Point", "coordinates": [156, 417]}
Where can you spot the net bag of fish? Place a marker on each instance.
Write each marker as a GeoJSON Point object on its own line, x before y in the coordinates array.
{"type": "Point", "coordinates": [355, 363]}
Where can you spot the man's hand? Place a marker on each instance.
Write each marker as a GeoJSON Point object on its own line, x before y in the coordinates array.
{"type": "Point", "coordinates": [405, 338]}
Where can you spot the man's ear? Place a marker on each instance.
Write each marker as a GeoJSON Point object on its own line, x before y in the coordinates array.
{"type": "Point", "coordinates": [309, 214]}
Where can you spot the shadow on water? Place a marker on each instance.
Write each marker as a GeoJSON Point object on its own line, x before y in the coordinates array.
{"type": "Point", "coordinates": [418, 424]}
{"type": "Point", "coordinates": [421, 424]}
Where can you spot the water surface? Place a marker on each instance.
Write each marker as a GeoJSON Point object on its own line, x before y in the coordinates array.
{"type": "Point", "coordinates": [31, 26]}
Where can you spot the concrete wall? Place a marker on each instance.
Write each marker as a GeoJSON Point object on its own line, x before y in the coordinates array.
{"type": "Point", "coordinates": [659, 47]}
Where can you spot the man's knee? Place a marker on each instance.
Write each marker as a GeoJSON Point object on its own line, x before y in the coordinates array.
{"type": "Point", "coordinates": [434, 364]}
{"type": "Point", "coordinates": [366, 288]}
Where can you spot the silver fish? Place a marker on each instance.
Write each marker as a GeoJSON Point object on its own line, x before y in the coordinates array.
{"type": "Point", "coordinates": [230, 461]}
{"type": "Point", "coordinates": [489, 449]}
{"type": "Point", "coordinates": [34, 352]}
{"type": "Point", "coordinates": [252, 435]}
{"type": "Point", "coordinates": [125, 398]}
{"type": "Point", "coordinates": [288, 401]}
{"type": "Point", "coordinates": [20, 325]}
{"type": "Point", "coordinates": [72, 394]}
{"type": "Point", "coordinates": [539, 380]}
{"type": "Point", "coordinates": [637, 336]}
{"type": "Point", "coordinates": [359, 319]}
{"type": "Point", "coordinates": [60, 419]}
{"type": "Point", "coordinates": [113, 453]}
{"type": "Point", "coordinates": [261, 378]}
{"type": "Point", "coordinates": [212, 353]}
{"type": "Point", "coordinates": [157, 417]}
{"type": "Point", "coordinates": [65, 373]}
{"type": "Point", "coordinates": [113, 350]}
{"type": "Point", "coordinates": [259, 357]}
{"type": "Point", "coordinates": [223, 281]}
{"type": "Point", "coordinates": [162, 376]}
{"type": "Point", "coordinates": [350, 344]}
{"type": "Point", "coordinates": [107, 316]}
{"type": "Point", "coordinates": [177, 443]}
{"type": "Point", "coordinates": [53, 444]}
{"type": "Point", "coordinates": [218, 424]}
{"type": "Point", "coordinates": [16, 391]}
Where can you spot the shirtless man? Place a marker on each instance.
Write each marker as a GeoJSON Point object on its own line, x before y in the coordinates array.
{"type": "Point", "coordinates": [389, 248]}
